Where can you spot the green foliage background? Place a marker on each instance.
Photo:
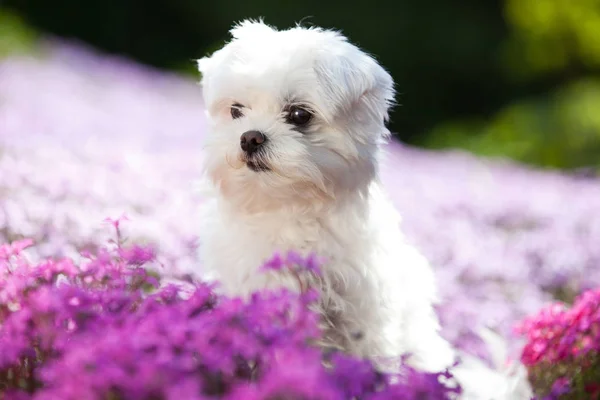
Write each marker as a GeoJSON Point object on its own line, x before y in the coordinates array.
{"type": "Point", "coordinates": [508, 78]}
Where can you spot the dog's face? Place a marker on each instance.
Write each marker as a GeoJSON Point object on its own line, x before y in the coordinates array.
{"type": "Point", "coordinates": [293, 115]}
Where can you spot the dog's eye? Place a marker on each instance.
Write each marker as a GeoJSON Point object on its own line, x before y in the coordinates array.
{"type": "Point", "coordinates": [236, 111]}
{"type": "Point", "coordinates": [299, 116]}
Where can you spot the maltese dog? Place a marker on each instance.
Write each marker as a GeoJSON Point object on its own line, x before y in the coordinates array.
{"type": "Point", "coordinates": [296, 130]}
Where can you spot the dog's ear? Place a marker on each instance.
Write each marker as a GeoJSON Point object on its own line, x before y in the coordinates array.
{"type": "Point", "coordinates": [349, 76]}
{"type": "Point", "coordinates": [204, 65]}
{"type": "Point", "coordinates": [208, 68]}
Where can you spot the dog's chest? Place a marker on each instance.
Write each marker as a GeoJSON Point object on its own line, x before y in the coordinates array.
{"type": "Point", "coordinates": [281, 233]}
{"type": "Point", "coordinates": [236, 247]}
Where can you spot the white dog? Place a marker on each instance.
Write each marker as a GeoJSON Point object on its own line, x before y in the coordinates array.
{"type": "Point", "coordinates": [296, 127]}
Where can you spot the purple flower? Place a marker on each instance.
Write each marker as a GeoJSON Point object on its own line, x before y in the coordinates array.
{"type": "Point", "coordinates": [293, 261]}
{"type": "Point", "coordinates": [275, 263]}
{"type": "Point", "coordinates": [123, 335]}
{"type": "Point", "coordinates": [138, 255]}
{"type": "Point", "coordinates": [355, 376]}
{"type": "Point", "coordinates": [292, 374]}
{"type": "Point", "coordinates": [561, 387]}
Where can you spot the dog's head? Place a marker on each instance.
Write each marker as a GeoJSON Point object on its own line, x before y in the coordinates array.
{"type": "Point", "coordinates": [293, 115]}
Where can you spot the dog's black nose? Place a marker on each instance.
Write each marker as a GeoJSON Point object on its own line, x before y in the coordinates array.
{"type": "Point", "coordinates": [251, 141]}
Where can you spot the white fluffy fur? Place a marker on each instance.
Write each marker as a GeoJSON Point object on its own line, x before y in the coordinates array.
{"type": "Point", "coordinates": [322, 193]}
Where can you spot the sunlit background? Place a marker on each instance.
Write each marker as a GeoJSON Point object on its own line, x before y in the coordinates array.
{"type": "Point", "coordinates": [101, 114]}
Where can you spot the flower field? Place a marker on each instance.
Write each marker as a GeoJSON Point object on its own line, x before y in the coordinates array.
{"type": "Point", "coordinates": [85, 137]}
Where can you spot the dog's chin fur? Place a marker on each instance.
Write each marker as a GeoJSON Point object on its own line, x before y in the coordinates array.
{"type": "Point", "coordinates": [317, 190]}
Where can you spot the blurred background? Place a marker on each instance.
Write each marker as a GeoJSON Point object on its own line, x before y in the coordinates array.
{"type": "Point", "coordinates": [506, 78]}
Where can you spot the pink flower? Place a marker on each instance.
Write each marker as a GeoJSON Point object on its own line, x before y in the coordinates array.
{"type": "Point", "coordinates": [116, 222]}
{"type": "Point", "coordinates": [563, 339]}
{"type": "Point", "coordinates": [13, 249]}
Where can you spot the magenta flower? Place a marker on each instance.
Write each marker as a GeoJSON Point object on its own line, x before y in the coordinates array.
{"type": "Point", "coordinates": [293, 261]}
{"type": "Point", "coordinates": [557, 333]}
{"type": "Point", "coordinates": [13, 249]}
{"type": "Point", "coordinates": [138, 255]}
{"type": "Point", "coordinates": [563, 346]}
